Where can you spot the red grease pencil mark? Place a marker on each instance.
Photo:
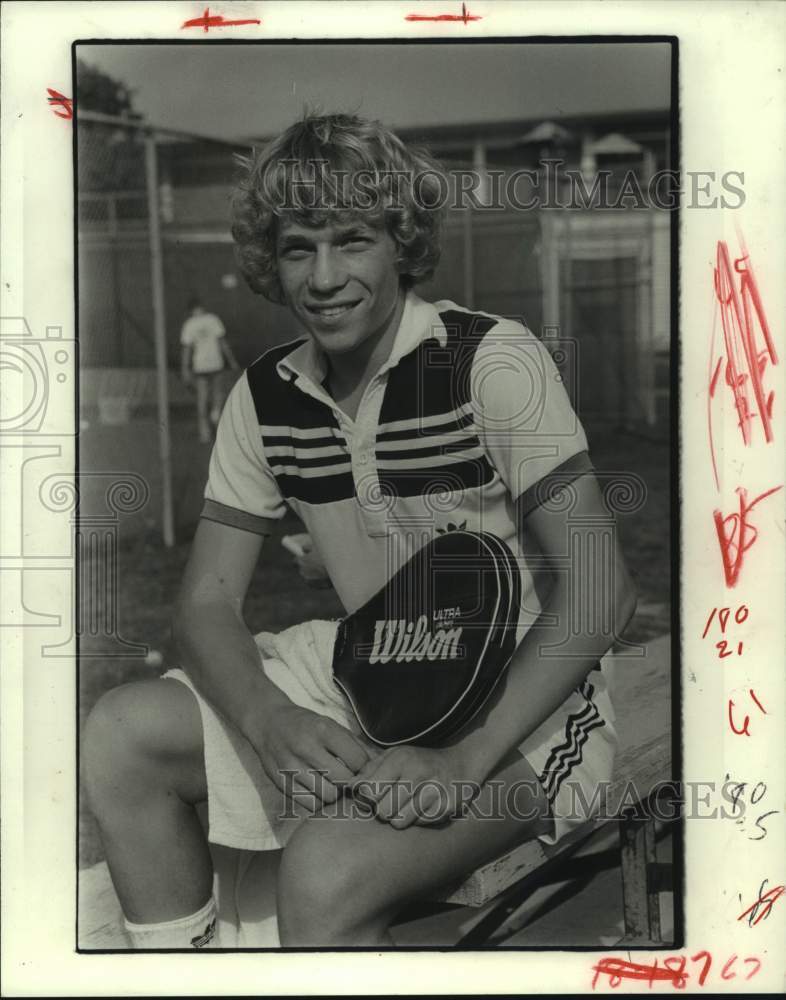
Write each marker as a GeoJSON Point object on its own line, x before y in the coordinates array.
{"type": "Point", "coordinates": [726, 972]}
{"type": "Point", "coordinates": [766, 903]}
{"type": "Point", "coordinates": [673, 971]}
{"type": "Point", "coordinates": [758, 966]}
{"type": "Point", "coordinates": [706, 959]}
{"type": "Point", "coordinates": [58, 100]}
{"type": "Point", "coordinates": [736, 535]}
{"type": "Point", "coordinates": [740, 616]}
{"type": "Point", "coordinates": [738, 732]}
{"type": "Point", "coordinates": [464, 16]}
{"type": "Point", "coordinates": [618, 969]}
{"type": "Point", "coordinates": [208, 21]}
{"type": "Point", "coordinates": [715, 374]}
{"type": "Point", "coordinates": [744, 731]}
{"type": "Point", "coordinates": [710, 396]}
{"type": "Point", "coordinates": [742, 314]}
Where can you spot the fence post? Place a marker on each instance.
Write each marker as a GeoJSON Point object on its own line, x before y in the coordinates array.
{"type": "Point", "coordinates": [159, 326]}
{"type": "Point", "coordinates": [469, 258]}
{"type": "Point", "coordinates": [549, 271]}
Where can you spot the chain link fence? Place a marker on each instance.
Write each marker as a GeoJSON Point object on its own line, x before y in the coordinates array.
{"type": "Point", "coordinates": [492, 263]}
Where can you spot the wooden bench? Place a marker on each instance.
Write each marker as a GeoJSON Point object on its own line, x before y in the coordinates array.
{"type": "Point", "coordinates": [642, 698]}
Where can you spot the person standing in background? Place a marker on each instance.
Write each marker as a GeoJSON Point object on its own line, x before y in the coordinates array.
{"type": "Point", "coordinates": [204, 355]}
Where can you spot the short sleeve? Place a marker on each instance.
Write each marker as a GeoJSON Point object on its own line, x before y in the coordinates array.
{"type": "Point", "coordinates": [187, 334]}
{"type": "Point", "coordinates": [524, 417]}
{"type": "Point", "coordinates": [241, 490]}
{"type": "Point", "coordinates": [218, 327]}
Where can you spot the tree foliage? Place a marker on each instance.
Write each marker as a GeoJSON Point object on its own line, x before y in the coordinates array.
{"type": "Point", "coordinates": [97, 91]}
{"type": "Point", "coordinates": [111, 158]}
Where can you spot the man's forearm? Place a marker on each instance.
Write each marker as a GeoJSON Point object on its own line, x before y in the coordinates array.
{"type": "Point", "coordinates": [220, 656]}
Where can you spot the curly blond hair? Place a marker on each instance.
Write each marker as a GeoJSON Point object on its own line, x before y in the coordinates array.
{"type": "Point", "coordinates": [330, 167]}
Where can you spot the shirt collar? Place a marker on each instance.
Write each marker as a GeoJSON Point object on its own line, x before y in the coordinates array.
{"type": "Point", "coordinates": [419, 321]}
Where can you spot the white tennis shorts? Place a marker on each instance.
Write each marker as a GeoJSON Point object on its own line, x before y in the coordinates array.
{"type": "Point", "coordinates": [572, 752]}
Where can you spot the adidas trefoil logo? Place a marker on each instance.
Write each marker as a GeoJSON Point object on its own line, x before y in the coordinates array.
{"type": "Point", "coordinates": [452, 527]}
{"type": "Point", "coordinates": [206, 937]}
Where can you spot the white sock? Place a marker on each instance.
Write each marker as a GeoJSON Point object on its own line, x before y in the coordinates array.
{"type": "Point", "coordinates": [195, 931]}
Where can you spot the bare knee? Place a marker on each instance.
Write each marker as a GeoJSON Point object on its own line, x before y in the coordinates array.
{"type": "Point", "coordinates": [328, 892]}
{"type": "Point", "coordinates": [142, 740]}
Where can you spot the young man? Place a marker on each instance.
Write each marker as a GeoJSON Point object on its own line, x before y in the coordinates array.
{"type": "Point", "coordinates": [203, 356]}
{"type": "Point", "coordinates": [391, 420]}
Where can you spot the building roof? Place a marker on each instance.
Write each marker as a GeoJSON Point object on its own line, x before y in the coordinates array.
{"type": "Point", "coordinates": [511, 133]}
{"type": "Point", "coordinates": [614, 143]}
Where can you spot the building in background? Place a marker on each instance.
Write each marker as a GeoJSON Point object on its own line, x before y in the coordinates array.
{"type": "Point", "coordinates": [593, 282]}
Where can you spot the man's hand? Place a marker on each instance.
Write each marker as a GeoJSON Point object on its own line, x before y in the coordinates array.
{"type": "Point", "coordinates": [415, 785]}
{"type": "Point", "coordinates": [309, 565]}
{"type": "Point", "coordinates": [293, 739]}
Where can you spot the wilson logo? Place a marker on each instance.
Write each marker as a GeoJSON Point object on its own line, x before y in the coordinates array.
{"type": "Point", "coordinates": [403, 642]}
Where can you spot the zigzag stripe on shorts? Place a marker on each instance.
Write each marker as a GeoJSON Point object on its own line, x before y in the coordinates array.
{"type": "Point", "coordinates": [564, 757]}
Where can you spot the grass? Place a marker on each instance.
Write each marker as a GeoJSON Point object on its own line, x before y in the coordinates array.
{"type": "Point", "coordinates": [149, 574]}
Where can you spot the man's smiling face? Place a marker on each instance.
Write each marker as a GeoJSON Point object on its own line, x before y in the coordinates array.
{"type": "Point", "coordinates": [341, 280]}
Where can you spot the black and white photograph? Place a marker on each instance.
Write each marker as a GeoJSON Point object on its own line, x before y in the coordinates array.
{"type": "Point", "coordinates": [377, 446]}
{"type": "Point", "coordinates": [391, 497]}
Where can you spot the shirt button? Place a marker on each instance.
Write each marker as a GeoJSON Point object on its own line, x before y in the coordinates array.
{"type": "Point", "coordinates": [363, 458]}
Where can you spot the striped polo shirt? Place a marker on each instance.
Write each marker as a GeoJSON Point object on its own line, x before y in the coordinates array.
{"type": "Point", "coordinates": [467, 416]}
